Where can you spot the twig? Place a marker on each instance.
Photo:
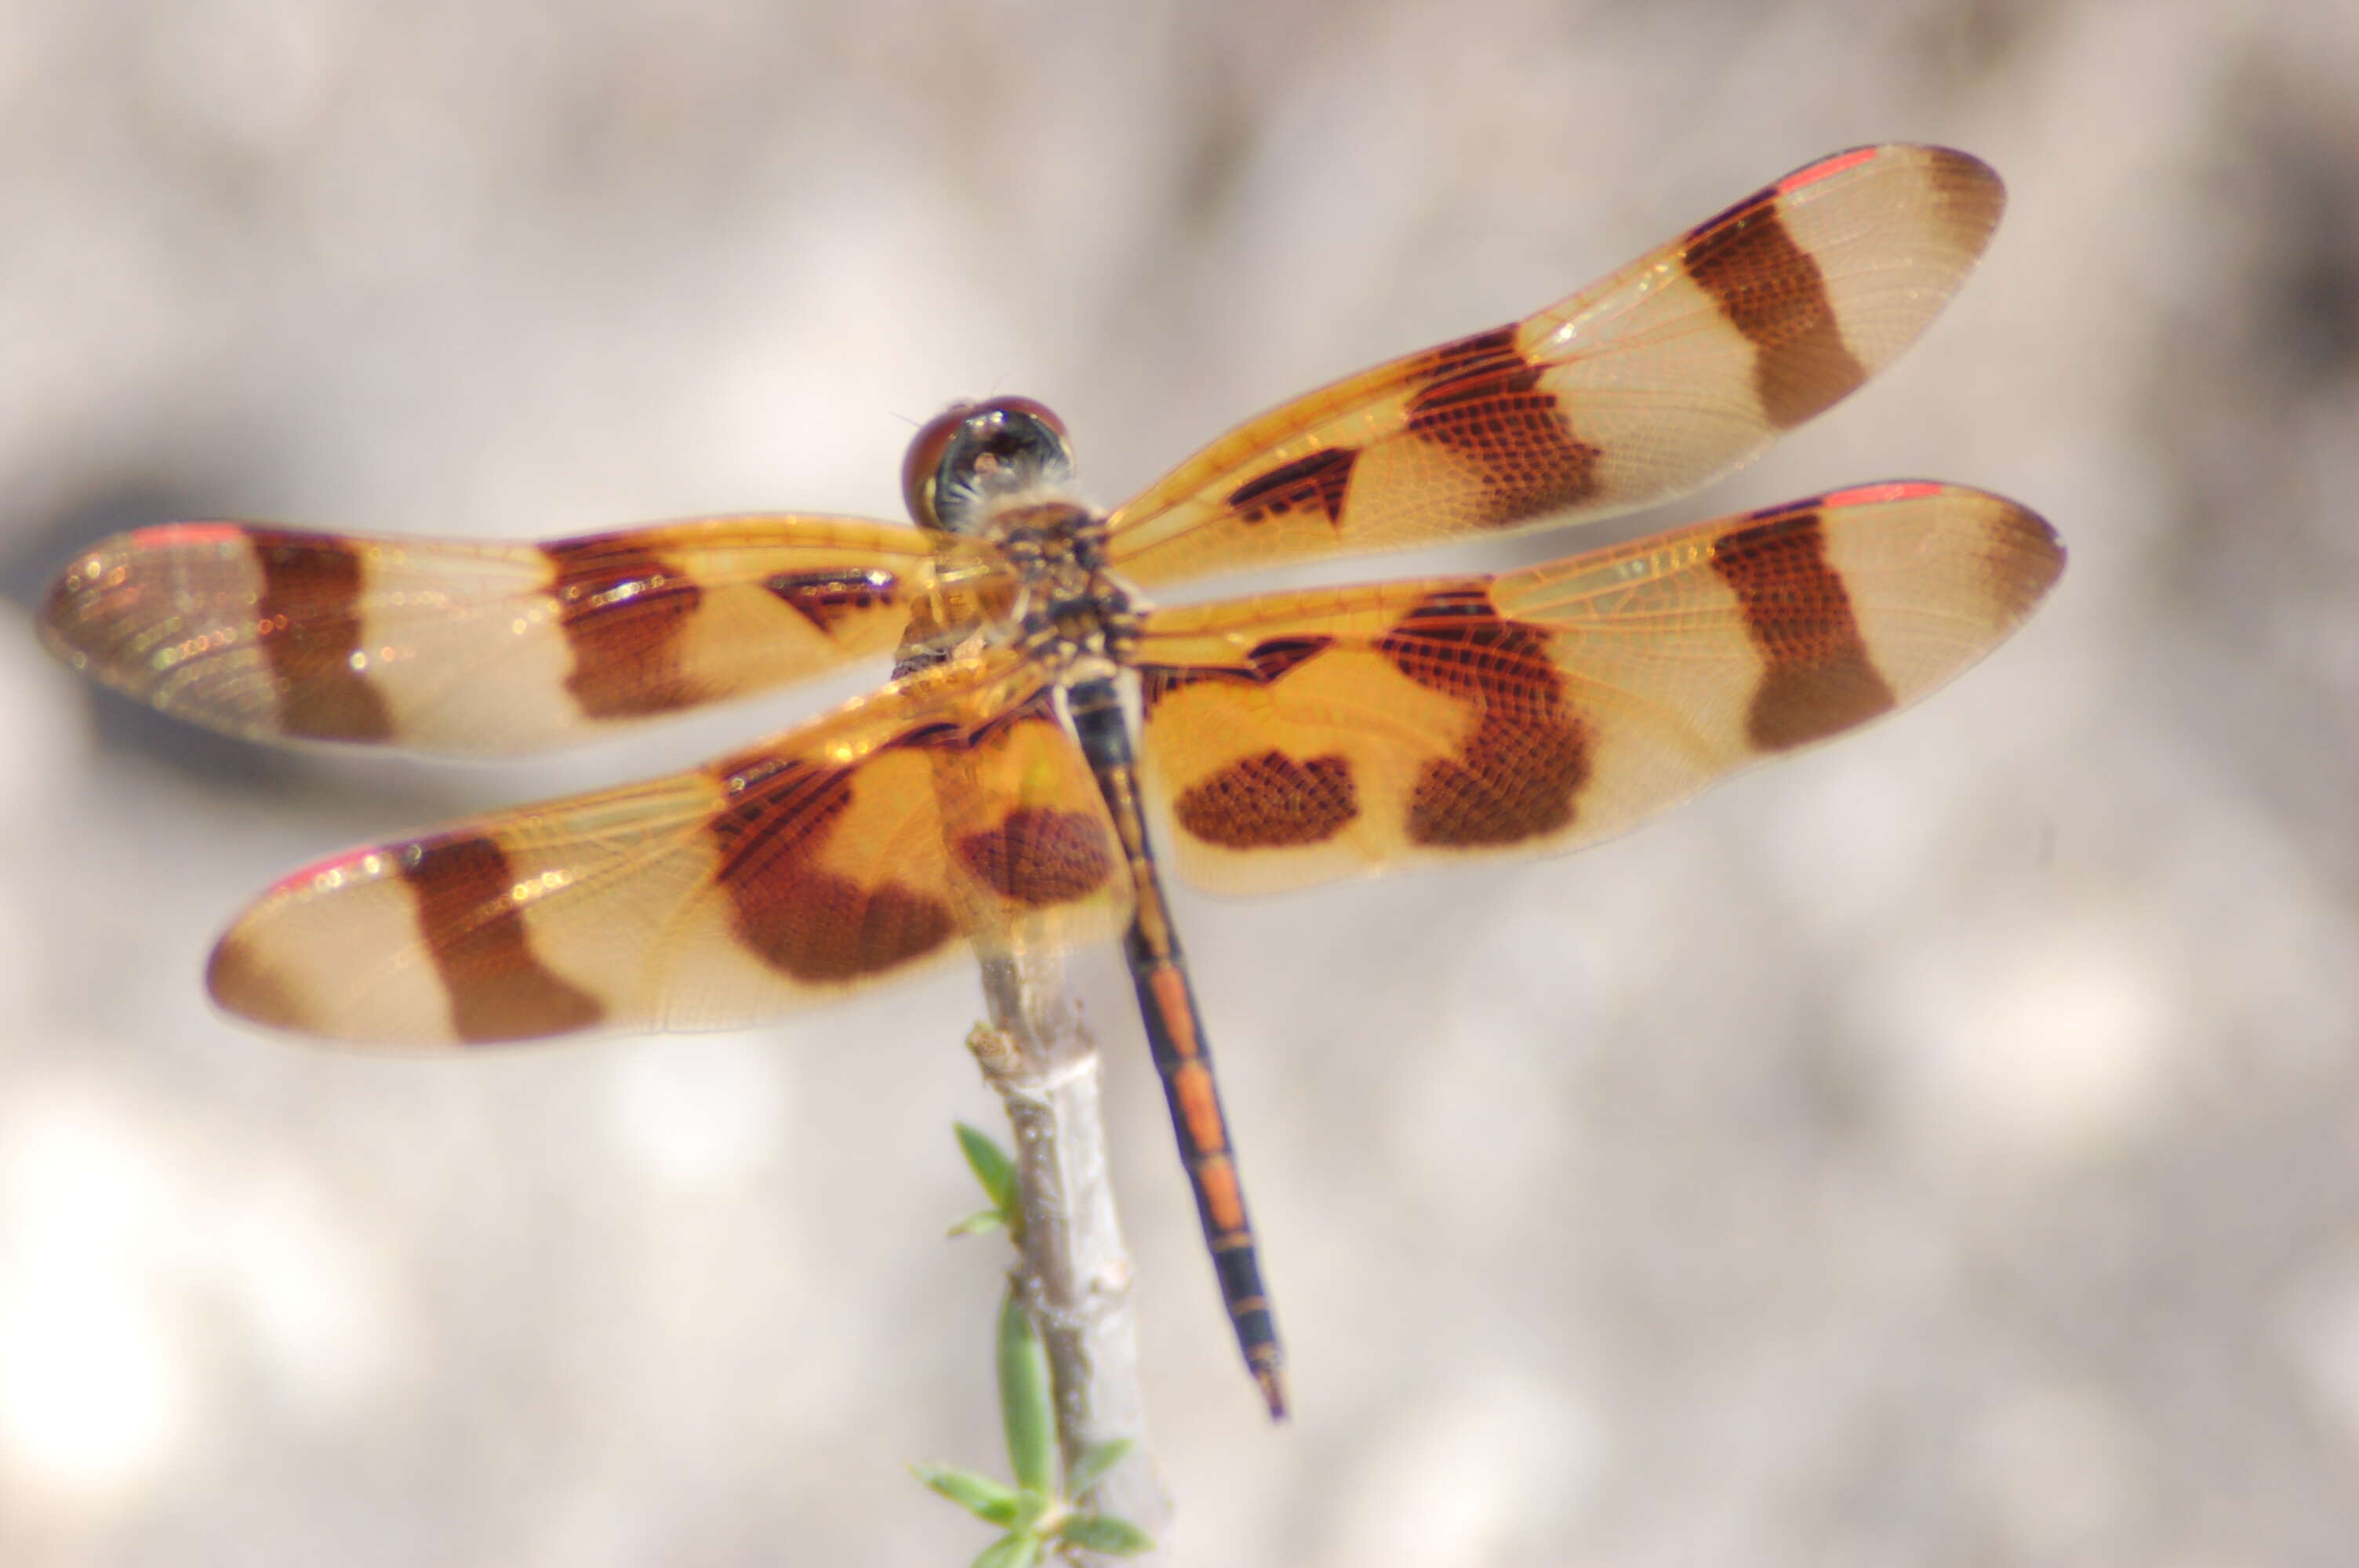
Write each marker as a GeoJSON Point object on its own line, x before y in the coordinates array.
{"type": "Point", "coordinates": [1039, 1058]}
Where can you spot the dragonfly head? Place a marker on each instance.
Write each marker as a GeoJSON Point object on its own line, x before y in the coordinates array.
{"type": "Point", "coordinates": [973, 457]}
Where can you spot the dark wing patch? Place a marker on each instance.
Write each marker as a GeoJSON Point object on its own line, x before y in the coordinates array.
{"type": "Point", "coordinates": [1270, 800]}
{"type": "Point", "coordinates": [1771, 291]}
{"type": "Point", "coordinates": [1484, 403]}
{"type": "Point", "coordinates": [624, 610]}
{"type": "Point", "coordinates": [308, 624]}
{"type": "Point", "coordinates": [826, 598]}
{"type": "Point", "coordinates": [803, 920]}
{"type": "Point", "coordinates": [1039, 856]}
{"type": "Point", "coordinates": [1320, 480]}
{"type": "Point", "coordinates": [468, 919]}
{"type": "Point", "coordinates": [1817, 678]}
{"type": "Point", "coordinates": [1518, 774]}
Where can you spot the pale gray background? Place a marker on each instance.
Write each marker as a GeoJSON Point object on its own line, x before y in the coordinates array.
{"type": "Point", "coordinates": [1941, 1150]}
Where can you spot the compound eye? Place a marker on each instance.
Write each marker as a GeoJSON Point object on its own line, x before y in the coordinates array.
{"type": "Point", "coordinates": [973, 449]}
{"type": "Point", "coordinates": [1014, 412]}
{"type": "Point", "coordinates": [923, 465]}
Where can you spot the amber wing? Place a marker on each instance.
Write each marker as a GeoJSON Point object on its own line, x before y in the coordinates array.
{"type": "Point", "coordinates": [488, 649]}
{"type": "Point", "coordinates": [951, 808]}
{"type": "Point", "coordinates": [1671, 372]}
{"type": "Point", "coordinates": [1303, 737]}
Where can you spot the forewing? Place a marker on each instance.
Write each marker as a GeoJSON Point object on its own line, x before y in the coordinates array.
{"type": "Point", "coordinates": [1671, 372]}
{"type": "Point", "coordinates": [481, 648]}
{"type": "Point", "coordinates": [1298, 738]}
{"type": "Point", "coordinates": [950, 807]}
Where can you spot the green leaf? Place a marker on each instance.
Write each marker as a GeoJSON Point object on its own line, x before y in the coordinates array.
{"type": "Point", "coordinates": [1011, 1552]}
{"type": "Point", "coordinates": [992, 1167]}
{"type": "Point", "coordinates": [1025, 1403]}
{"type": "Point", "coordinates": [994, 1502]}
{"type": "Point", "coordinates": [980, 1221]}
{"type": "Point", "coordinates": [1114, 1537]}
{"type": "Point", "coordinates": [1095, 1464]}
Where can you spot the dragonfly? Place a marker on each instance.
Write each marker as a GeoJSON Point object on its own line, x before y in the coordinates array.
{"type": "Point", "coordinates": [1045, 727]}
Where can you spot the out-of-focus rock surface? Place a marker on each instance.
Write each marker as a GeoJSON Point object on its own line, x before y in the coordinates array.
{"type": "Point", "coordinates": [1940, 1150]}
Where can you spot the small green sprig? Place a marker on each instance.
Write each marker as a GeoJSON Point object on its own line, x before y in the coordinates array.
{"type": "Point", "coordinates": [1038, 1512]}
{"type": "Point", "coordinates": [997, 1172]}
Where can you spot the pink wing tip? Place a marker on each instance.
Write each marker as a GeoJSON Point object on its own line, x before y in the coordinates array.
{"type": "Point", "coordinates": [1826, 166]}
{"type": "Point", "coordinates": [1882, 494]}
{"type": "Point", "coordinates": [303, 877]}
{"type": "Point", "coordinates": [170, 535]}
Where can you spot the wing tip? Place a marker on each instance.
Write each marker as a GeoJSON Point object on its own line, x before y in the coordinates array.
{"type": "Point", "coordinates": [2037, 550]}
{"type": "Point", "coordinates": [107, 608]}
{"type": "Point", "coordinates": [2020, 555]}
{"type": "Point", "coordinates": [1970, 193]}
{"type": "Point", "coordinates": [244, 984]}
{"type": "Point", "coordinates": [1948, 164]}
{"type": "Point", "coordinates": [60, 624]}
{"type": "Point", "coordinates": [1967, 193]}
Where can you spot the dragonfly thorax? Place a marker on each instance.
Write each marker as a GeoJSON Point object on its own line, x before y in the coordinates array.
{"type": "Point", "coordinates": [1002, 471]}
{"type": "Point", "coordinates": [1071, 608]}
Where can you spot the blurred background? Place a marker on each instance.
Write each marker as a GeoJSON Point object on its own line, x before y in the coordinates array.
{"type": "Point", "coordinates": [1942, 1149]}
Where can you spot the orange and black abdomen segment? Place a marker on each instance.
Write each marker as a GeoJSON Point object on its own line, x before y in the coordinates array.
{"type": "Point", "coordinates": [1167, 1005]}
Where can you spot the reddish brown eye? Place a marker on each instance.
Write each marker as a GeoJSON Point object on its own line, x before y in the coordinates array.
{"type": "Point", "coordinates": [925, 461]}
{"type": "Point", "coordinates": [1026, 405]}
{"type": "Point", "coordinates": [975, 447]}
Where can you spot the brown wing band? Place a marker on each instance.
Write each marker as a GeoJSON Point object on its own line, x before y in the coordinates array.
{"type": "Point", "coordinates": [309, 625]}
{"type": "Point", "coordinates": [801, 921]}
{"type": "Point", "coordinates": [1484, 402]}
{"type": "Point", "coordinates": [1817, 678]}
{"type": "Point", "coordinates": [1518, 775]}
{"type": "Point", "coordinates": [467, 916]}
{"type": "Point", "coordinates": [623, 609]}
{"type": "Point", "coordinates": [1772, 291]}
